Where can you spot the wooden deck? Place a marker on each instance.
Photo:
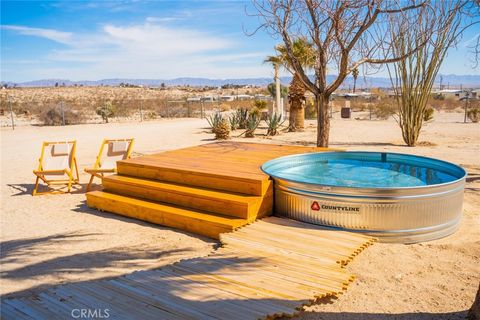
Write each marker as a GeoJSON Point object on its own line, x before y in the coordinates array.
{"type": "Point", "coordinates": [267, 269]}
{"type": "Point", "coordinates": [208, 190]}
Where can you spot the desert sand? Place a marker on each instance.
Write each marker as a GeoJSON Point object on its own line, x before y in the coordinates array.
{"type": "Point", "coordinates": [53, 239]}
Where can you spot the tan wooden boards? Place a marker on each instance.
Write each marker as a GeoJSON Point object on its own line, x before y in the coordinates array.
{"type": "Point", "coordinates": [240, 280]}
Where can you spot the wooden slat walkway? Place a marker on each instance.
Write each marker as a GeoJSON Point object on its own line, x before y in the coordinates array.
{"type": "Point", "coordinates": [267, 269]}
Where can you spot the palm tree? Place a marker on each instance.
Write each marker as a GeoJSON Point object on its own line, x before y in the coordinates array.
{"type": "Point", "coordinates": [305, 54]}
{"type": "Point", "coordinates": [355, 76]}
{"type": "Point", "coordinates": [276, 63]}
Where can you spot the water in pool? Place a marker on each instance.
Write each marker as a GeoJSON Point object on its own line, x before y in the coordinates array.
{"type": "Point", "coordinates": [364, 174]}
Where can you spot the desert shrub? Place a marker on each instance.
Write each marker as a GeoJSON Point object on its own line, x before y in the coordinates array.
{"type": "Point", "coordinates": [357, 106]}
{"type": "Point", "coordinates": [260, 104]}
{"type": "Point", "coordinates": [274, 122]}
{"type": "Point", "coordinates": [252, 124]}
{"type": "Point", "coordinates": [107, 110]}
{"type": "Point", "coordinates": [225, 107]}
{"type": "Point", "coordinates": [428, 114]}
{"type": "Point", "coordinates": [150, 115]}
{"type": "Point", "coordinates": [384, 109]}
{"type": "Point", "coordinates": [474, 115]}
{"type": "Point", "coordinates": [54, 117]}
{"type": "Point", "coordinates": [438, 96]}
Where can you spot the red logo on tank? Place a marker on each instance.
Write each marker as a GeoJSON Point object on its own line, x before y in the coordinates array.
{"type": "Point", "coordinates": [315, 206]}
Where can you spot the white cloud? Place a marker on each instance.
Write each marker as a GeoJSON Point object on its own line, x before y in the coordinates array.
{"type": "Point", "coordinates": [148, 50]}
{"type": "Point", "coordinates": [51, 34]}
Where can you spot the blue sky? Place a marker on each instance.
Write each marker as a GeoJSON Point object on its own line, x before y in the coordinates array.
{"type": "Point", "coordinates": [91, 40]}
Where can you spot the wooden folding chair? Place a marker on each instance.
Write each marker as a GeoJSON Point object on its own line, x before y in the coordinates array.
{"type": "Point", "coordinates": [106, 162]}
{"type": "Point", "coordinates": [57, 166]}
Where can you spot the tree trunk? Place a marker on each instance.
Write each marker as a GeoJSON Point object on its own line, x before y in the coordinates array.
{"type": "Point", "coordinates": [354, 84]}
{"type": "Point", "coordinates": [323, 121]}
{"type": "Point", "coordinates": [296, 97]}
{"type": "Point", "coordinates": [300, 117]}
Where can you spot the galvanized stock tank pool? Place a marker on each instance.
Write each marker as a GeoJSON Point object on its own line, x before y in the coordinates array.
{"type": "Point", "coordinates": [395, 197]}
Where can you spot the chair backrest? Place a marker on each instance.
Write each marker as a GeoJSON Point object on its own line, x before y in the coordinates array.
{"type": "Point", "coordinates": [57, 155]}
{"type": "Point", "coordinates": [117, 149]}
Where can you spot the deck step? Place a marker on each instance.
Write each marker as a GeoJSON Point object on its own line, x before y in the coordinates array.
{"type": "Point", "coordinates": [148, 167]}
{"type": "Point", "coordinates": [195, 221]}
{"type": "Point", "coordinates": [226, 203]}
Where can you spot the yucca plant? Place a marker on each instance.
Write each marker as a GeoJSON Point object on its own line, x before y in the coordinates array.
{"type": "Point", "coordinates": [214, 120]}
{"type": "Point", "coordinates": [234, 121]}
{"type": "Point", "coordinates": [251, 125]}
{"type": "Point", "coordinates": [242, 115]}
{"type": "Point", "coordinates": [274, 122]}
{"type": "Point", "coordinates": [222, 130]}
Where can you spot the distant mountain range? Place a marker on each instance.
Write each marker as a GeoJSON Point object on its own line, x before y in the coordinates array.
{"type": "Point", "coordinates": [448, 81]}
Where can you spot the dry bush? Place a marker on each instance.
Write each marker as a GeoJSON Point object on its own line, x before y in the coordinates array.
{"type": "Point", "coordinates": [384, 108]}
{"type": "Point", "coordinates": [445, 104]}
{"type": "Point", "coordinates": [53, 117]}
{"type": "Point", "coordinates": [474, 114]}
{"type": "Point", "coordinates": [225, 107]}
{"type": "Point", "coordinates": [357, 106]}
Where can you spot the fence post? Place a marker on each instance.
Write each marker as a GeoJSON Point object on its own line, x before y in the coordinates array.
{"type": "Point", "coordinates": [63, 113]}
{"type": "Point", "coordinates": [11, 112]}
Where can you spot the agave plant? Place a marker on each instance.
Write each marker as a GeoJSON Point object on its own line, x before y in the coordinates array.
{"type": "Point", "coordinates": [214, 120]}
{"type": "Point", "coordinates": [242, 115]}
{"type": "Point", "coordinates": [274, 122]}
{"type": "Point", "coordinates": [251, 125]}
{"type": "Point", "coordinates": [234, 121]}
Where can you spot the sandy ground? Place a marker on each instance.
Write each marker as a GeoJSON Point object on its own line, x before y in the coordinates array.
{"type": "Point", "coordinates": [48, 240]}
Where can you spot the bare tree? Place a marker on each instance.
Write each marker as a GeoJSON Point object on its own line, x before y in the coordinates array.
{"type": "Point", "coordinates": [345, 34]}
{"type": "Point", "coordinates": [441, 26]}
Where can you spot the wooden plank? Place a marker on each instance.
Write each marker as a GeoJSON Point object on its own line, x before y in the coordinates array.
{"type": "Point", "coordinates": [211, 180]}
{"type": "Point", "coordinates": [206, 224]}
{"type": "Point", "coordinates": [224, 305]}
{"type": "Point", "coordinates": [239, 205]}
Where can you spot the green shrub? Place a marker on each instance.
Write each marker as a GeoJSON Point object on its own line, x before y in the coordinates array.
{"type": "Point", "coordinates": [260, 104]}
{"type": "Point", "coordinates": [107, 110]}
